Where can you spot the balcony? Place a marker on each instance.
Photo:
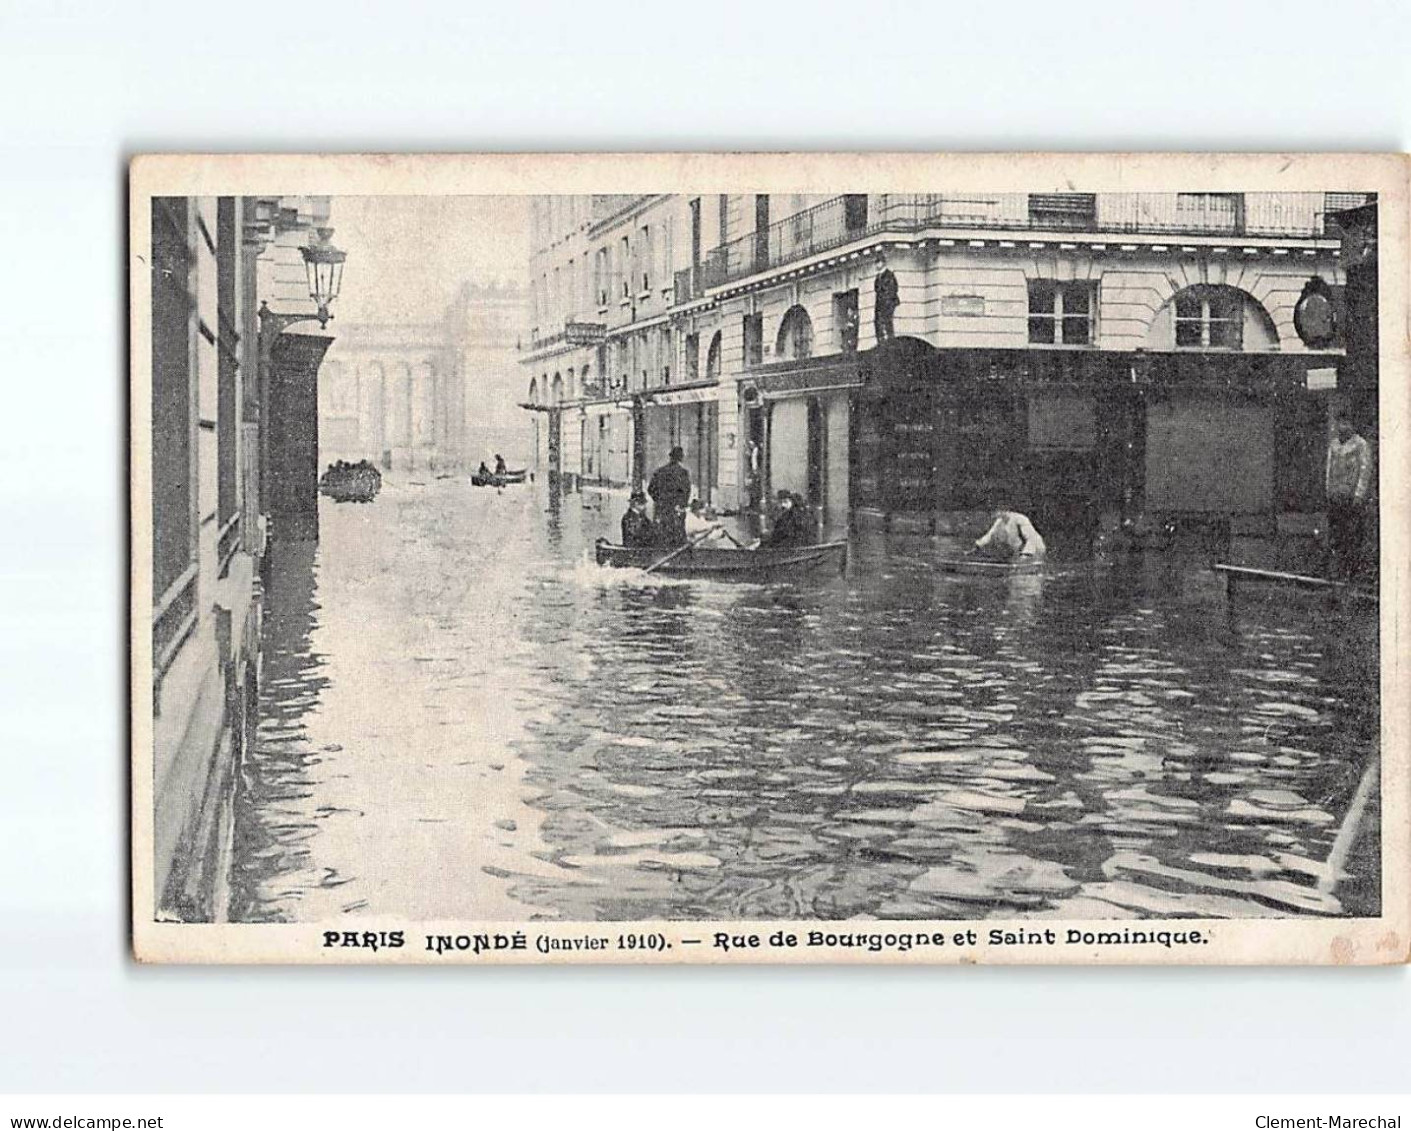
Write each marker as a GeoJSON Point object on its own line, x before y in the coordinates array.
{"type": "Point", "coordinates": [846, 219]}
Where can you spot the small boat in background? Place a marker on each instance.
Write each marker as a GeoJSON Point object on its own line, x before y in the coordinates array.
{"type": "Point", "coordinates": [980, 567]}
{"type": "Point", "coordinates": [351, 482]}
{"type": "Point", "coordinates": [762, 564]}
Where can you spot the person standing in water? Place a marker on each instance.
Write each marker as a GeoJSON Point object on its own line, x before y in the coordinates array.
{"type": "Point", "coordinates": [1011, 537]}
{"type": "Point", "coordinates": [1347, 481]}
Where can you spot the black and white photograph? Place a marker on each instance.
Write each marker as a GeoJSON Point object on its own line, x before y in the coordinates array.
{"type": "Point", "coordinates": [730, 572]}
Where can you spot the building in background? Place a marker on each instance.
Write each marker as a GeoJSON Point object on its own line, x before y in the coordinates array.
{"type": "Point", "coordinates": [221, 416]}
{"type": "Point", "coordinates": [1090, 358]}
{"type": "Point", "coordinates": [433, 395]}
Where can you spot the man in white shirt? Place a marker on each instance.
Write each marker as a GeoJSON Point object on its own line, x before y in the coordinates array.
{"type": "Point", "coordinates": [1011, 537]}
{"type": "Point", "coordinates": [1347, 481]}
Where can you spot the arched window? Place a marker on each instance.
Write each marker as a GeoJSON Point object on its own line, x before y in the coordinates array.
{"type": "Point", "coordinates": [1208, 317]}
{"type": "Point", "coordinates": [568, 384]}
{"type": "Point", "coordinates": [795, 339]}
{"type": "Point", "coordinates": [556, 389]}
{"type": "Point", "coordinates": [585, 379]}
{"type": "Point", "coordinates": [533, 390]}
{"type": "Point", "coordinates": [713, 358]}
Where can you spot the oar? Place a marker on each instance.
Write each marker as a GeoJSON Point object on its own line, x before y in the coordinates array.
{"type": "Point", "coordinates": [680, 550]}
{"type": "Point", "coordinates": [732, 538]}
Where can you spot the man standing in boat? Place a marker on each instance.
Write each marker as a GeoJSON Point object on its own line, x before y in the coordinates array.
{"type": "Point", "coordinates": [670, 489]}
{"type": "Point", "coordinates": [1347, 480]}
{"type": "Point", "coordinates": [1011, 537]}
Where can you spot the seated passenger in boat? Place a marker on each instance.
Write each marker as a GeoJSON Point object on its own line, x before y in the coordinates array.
{"type": "Point", "coordinates": [792, 523]}
{"type": "Point", "coordinates": [1011, 537]}
{"type": "Point", "coordinates": [637, 528]}
{"type": "Point", "coordinates": [483, 470]}
{"type": "Point", "coordinates": [702, 523]}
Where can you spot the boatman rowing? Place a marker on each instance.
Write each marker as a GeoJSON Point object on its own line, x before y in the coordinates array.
{"type": "Point", "coordinates": [1011, 537]}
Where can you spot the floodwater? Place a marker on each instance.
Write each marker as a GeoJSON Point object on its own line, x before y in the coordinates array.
{"type": "Point", "coordinates": [463, 718]}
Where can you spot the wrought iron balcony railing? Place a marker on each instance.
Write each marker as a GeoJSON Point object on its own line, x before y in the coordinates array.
{"type": "Point", "coordinates": [845, 219]}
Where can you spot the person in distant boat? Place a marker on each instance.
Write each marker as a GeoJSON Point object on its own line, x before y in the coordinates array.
{"type": "Point", "coordinates": [483, 470]}
{"type": "Point", "coordinates": [1347, 479]}
{"type": "Point", "coordinates": [791, 523]}
{"type": "Point", "coordinates": [1011, 537]}
{"type": "Point", "coordinates": [670, 489]}
{"type": "Point", "coordinates": [500, 466]}
{"type": "Point", "coordinates": [637, 528]}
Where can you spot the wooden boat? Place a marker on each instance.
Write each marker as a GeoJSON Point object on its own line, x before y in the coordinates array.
{"type": "Point", "coordinates": [980, 567]}
{"type": "Point", "coordinates": [351, 483]}
{"type": "Point", "coordinates": [763, 564]}
{"type": "Point", "coordinates": [493, 480]}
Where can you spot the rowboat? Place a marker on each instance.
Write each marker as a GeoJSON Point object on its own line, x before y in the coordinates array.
{"type": "Point", "coordinates": [762, 564]}
{"type": "Point", "coordinates": [351, 483]}
{"type": "Point", "coordinates": [979, 567]}
{"type": "Point", "coordinates": [508, 477]}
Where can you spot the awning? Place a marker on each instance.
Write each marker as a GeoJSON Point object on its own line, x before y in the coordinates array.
{"type": "Point", "coordinates": [804, 380]}
{"type": "Point", "coordinates": [699, 395]}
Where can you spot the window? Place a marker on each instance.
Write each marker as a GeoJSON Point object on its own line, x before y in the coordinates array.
{"type": "Point", "coordinates": [228, 351]}
{"type": "Point", "coordinates": [666, 355]}
{"type": "Point", "coordinates": [754, 339]}
{"type": "Point", "coordinates": [1061, 313]}
{"type": "Point", "coordinates": [624, 266]}
{"type": "Point", "coordinates": [713, 358]}
{"type": "Point", "coordinates": [845, 320]}
{"type": "Point", "coordinates": [855, 212]}
{"type": "Point", "coordinates": [173, 501]}
{"type": "Point", "coordinates": [693, 356]}
{"type": "Point", "coordinates": [1067, 210]}
{"type": "Point", "coordinates": [795, 340]}
{"type": "Point", "coordinates": [644, 256]}
{"type": "Point", "coordinates": [1211, 211]}
{"type": "Point", "coordinates": [1209, 318]}
{"type": "Point", "coordinates": [601, 282]}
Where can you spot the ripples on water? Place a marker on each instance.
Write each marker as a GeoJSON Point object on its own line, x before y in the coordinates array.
{"type": "Point", "coordinates": [464, 718]}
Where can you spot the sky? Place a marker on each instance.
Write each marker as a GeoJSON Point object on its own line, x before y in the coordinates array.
{"type": "Point", "coordinates": [408, 255]}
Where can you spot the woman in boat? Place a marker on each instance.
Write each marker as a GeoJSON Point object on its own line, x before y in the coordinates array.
{"type": "Point", "coordinates": [1011, 537]}
{"type": "Point", "coordinates": [702, 523]}
{"type": "Point", "coordinates": [791, 523]}
{"type": "Point", "coordinates": [637, 528]}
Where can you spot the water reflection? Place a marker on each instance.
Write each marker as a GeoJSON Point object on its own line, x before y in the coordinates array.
{"type": "Point", "coordinates": [463, 717]}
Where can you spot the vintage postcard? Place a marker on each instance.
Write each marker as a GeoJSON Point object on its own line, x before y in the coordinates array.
{"type": "Point", "coordinates": [769, 558]}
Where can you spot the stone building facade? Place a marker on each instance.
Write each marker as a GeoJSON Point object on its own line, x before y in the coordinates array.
{"type": "Point", "coordinates": [1090, 357]}
{"type": "Point", "coordinates": [213, 475]}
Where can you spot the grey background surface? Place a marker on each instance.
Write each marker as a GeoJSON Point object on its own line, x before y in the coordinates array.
{"type": "Point", "coordinates": [82, 85]}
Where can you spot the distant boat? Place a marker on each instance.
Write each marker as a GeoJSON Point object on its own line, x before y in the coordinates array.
{"type": "Point", "coordinates": [979, 567]}
{"type": "Point", "coordinates": [501, 480]}
{"type": "Point", "coordinates": [762, 564]}
{"type": "Point", "coordinates": [351, 482]}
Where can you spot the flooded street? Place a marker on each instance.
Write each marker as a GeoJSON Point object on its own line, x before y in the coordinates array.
{"type": "Point", "coordinates": [462, 717]}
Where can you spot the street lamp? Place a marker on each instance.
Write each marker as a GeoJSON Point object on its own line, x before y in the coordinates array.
{"type": "Point", "coordinates": [324, 264]}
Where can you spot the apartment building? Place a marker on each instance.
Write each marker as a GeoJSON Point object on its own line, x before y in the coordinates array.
{"type": "Point", "coordinates": [1089, 357]}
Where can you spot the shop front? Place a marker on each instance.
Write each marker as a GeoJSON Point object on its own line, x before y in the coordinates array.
{"type": "Point", "coordinates": [606, 443]}
{"type": "Point", "coordinates": [796, 420]}
{"type": "Point", "coordinates": [1077, 439]}
{"type": "Point", "coordinates": [685, 418]}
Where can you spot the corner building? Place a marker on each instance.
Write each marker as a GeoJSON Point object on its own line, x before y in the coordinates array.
{"type": "Point", "coordinates": [1087, 357]}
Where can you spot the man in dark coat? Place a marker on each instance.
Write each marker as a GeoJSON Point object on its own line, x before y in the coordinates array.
{"type": "Point", "coordinates": [637, 528]}
{"type": "Point", "coordinates": [886, 300]}
{"type": "Point", "coordinates": [670, 489]}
